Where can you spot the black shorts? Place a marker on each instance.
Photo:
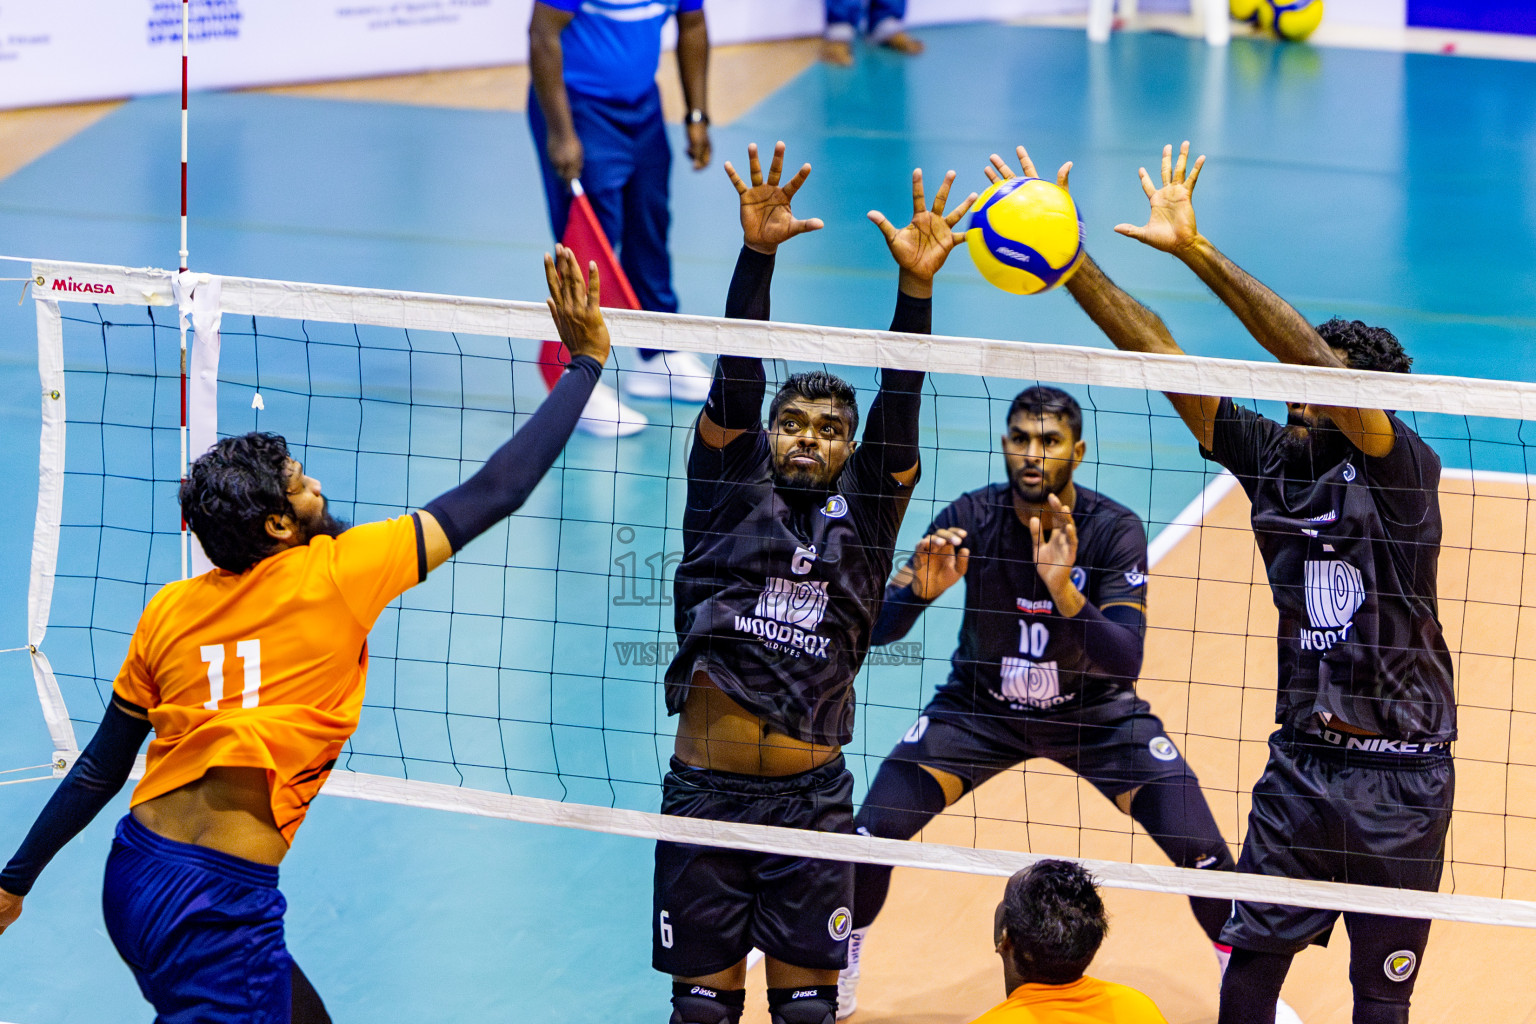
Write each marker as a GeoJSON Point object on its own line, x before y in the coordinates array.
{"type": "Point", "coordinates": [1341, 816]}
{"type": "Point", "coordinates": [712, 905]}
{"type": "Point", "coordinates": [1118, 745]}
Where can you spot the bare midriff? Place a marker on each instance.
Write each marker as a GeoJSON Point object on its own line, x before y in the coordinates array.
{"type": "Point", "coordinates": [228, 809]}
{"type": "Point", "coordinates": [717, 733]}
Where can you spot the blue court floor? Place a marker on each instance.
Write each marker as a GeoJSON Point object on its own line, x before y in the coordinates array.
{"type": "Point", "coordinates": [1393, 188]}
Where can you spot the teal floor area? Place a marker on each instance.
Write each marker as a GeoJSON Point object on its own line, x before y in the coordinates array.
{"type": "Point", "coordinates": [1387, 187]}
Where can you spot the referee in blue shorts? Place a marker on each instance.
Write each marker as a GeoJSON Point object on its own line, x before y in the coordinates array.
{"type": "Point", "coordinates": [595, 114]}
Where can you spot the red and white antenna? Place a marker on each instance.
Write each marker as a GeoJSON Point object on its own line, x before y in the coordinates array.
{"type": "Point", "coordinates": [181, 320]}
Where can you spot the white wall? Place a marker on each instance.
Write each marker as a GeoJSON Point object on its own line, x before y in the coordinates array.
{"type": "Point", "coordinates": [56, 51]}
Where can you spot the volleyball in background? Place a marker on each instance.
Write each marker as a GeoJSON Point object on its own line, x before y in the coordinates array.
{"type": "Point", "coordinates": [1025, 235]}
{"type": "Point", "coordinates": [1245, 10]}
{"type": "Point", "coordinates": [1289, 19]}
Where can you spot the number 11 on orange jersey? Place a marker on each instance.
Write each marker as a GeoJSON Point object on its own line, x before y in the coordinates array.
{"type": "Point", "coordinates": [249, 652]}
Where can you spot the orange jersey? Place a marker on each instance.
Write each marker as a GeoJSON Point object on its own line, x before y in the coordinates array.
{"type": "Point", "coordinates": [266, 669]}
{"type": "Point", "coordinates": [1085, 1001]}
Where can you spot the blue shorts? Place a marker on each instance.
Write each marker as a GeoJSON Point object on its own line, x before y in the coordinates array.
{"type": "Point", "coordinates": [202, 930]}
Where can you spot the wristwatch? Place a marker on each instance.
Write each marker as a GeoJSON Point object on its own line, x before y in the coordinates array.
{"type": "Point", "coordinates": [697, 116]}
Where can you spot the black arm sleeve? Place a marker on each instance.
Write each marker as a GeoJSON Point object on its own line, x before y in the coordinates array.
{"type": "Point", "coordinates": [515, 469]}
{"type": "Point", "coordinates": [892, 428]}
{"type": "Point", "coordinates": [898, 615]}
{"type": "Point", "coordinates": [96, 778]}
{"type": "Point", "coordinates": [1113, 638]}
{"type": "Point", "coordinates": [736, 396]}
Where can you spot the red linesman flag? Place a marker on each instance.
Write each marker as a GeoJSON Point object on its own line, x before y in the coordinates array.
{"type": "Point", "coordinates": [584, 237]}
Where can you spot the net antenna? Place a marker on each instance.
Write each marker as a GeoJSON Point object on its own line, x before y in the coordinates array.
{"type": "Point", "coordinates": [186, 540]}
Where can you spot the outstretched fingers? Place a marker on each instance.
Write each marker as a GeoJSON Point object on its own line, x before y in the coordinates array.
{"type": "Point", "coordinates": [594, 288]}
{"type": "Point", "coordinates": [730, 172]}
{"type": "Point", "coordinates": [919, 200]}
{"type": "Point", "coordinates": [1063, 174]}
{"type": "Point", "coordinates": [1168, 164]}
{"type": "Point", "coordinates": [1182, 163]}
{"type": "Point", "coordinates": [1146, 182]}
{"type": "Point", "coordinates": [799, 179]}
{"type": "Point", "coordinates": [960, 211]}
{"type": "Point", "coordinates": [1025, 163]}
{"type": "Point", "coordinates": [941, 197]}
{"type": "Point", "coordinates": [754, 165]}
{"type": "Point", "coordinates": [775, 168]}
{"type": "Point", "coordinates": [884, 224]}
{"type": "Point", "coordinates": [1194, 174]}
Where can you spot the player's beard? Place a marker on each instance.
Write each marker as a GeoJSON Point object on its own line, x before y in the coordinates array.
{"type": "Point", "coordinates": [797, 481]}
{"type": "Point", "coordinates": [1037, 494]}
{"type": "Point", "coordinates": [323, 525]}
{"type": "Point", "coordinates": [1315, 445]}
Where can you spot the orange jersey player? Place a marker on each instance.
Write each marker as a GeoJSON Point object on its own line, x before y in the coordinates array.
{"type": "Point", "coordinates": [1048, 928]}
{"type": "Point", "coordinates": [251, 676]}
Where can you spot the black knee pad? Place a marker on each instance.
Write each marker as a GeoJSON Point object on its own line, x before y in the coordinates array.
{"type": "Point", "coordinates": [809, 1005]}
{"type": "Point", "coordinates": [699, 1004]}
{"type": "Point", "coordinates": [903, 798]}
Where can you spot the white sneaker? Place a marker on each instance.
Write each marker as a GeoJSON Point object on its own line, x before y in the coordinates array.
{"type": "Point", "coordinates": [1285, 1015]}
{"type": "Point", "coordinates": [848, 977]}
{"type": "Point", "coordinates": [606, 416]}
{"type": "Point", "coordinates": [680, 376]}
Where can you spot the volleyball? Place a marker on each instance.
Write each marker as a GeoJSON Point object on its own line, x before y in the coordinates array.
{"type": "Point", "coordinates": [1245, 10]}
{"type": "Point", "coordinates": [1025, 235]}
{"type": "Point", "coordinates": [1289, 19]}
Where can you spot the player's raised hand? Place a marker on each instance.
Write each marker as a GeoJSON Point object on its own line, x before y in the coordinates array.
{"type": "Point", "coordinates": [998, 170]}
{"type": "Point", "coordinates": [1171, 224]}
{"type": "Point", "coordinates": [939, 562]}
{"type": "Point", "coordinates": [766, 219]}
{"type": "Point", "coordinates": [10, 909]}
{"type": "Point", "coordinates": [1055, 556]}
{"type": "Point", "coordinates": [574, 303]}
{"type": "Point", "coordinates": [921, 247]}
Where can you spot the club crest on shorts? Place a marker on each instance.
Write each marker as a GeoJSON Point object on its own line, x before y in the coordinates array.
{"type": "Point", "coordinates": [1349, 474]}
{"type": "Point", "coordinates": [1163, 749]}
{"type": "Point", "coordinates": [836, 507]}
{"type": "Point", "coordinates": [1399, 966]}
{"type": "Point", "coordinates": [1079, 577]}
{"type": "Point", "coordinates": [840, 924]}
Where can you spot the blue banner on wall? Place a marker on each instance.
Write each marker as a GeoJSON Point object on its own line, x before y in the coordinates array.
{"type": "Point", "coordinates": [1474, 15]}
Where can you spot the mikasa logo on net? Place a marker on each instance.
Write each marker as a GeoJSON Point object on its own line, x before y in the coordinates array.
{"type": "Point", "coordinates": [69, 284]}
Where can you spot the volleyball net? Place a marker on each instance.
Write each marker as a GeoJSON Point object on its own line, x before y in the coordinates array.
{"type": "Point", "coordinates": [523, 679]}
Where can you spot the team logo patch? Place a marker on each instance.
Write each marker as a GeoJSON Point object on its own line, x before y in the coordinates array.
{"type": "Point", "coordinates": [1349, 474]}
{"type": "Point", "coordinates": [836, 508]}
{"type": "Point", "coordinates": [840, 924]}
{"type": "Point", "coordinates": [1163, 749]}
{"type": "Point", "coordinates": [1135, 579]}
{"type": "Point", "coordinates": [1079, 577]}
{"type": "Point", "coordinates": [1399, 966]}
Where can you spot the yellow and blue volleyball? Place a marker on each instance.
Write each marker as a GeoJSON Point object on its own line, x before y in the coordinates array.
{"type": "Point", "coordinates": [1245, 10]}
{"type": "Point", "coordinates": [1025, 235]}
{"type": "Point", "coordinates": [1291, 19]}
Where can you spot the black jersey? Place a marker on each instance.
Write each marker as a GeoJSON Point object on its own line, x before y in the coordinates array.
{"type": "Point", "coordinates": [1017, 653]}
{"type": "Point", "coordinates": [775, 596]}
{"type": "Point", "coordinates": [1351, 550]}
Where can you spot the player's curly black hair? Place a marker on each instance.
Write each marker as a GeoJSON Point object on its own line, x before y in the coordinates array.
{"type": "Point", "coordinates": [1040, 401]}
{"type": "Point", "coordinates": [815, 384]}
{"type": "Point", "coordinates": [228, 494]}
{"type": "Point", "coordinates": [1366, 347]}
{"type": "Point", "coordinates": [1053, 914]}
